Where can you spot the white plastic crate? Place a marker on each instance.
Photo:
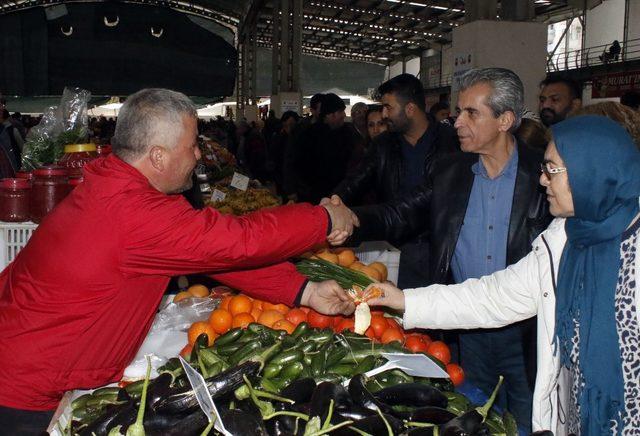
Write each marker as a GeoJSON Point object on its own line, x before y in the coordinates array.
{"type": "Point", "coordinates": [13, 237]}
{"type": "Point", "coordinates": [380, 251]}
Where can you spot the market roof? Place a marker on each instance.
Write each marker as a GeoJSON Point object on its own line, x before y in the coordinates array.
{"type": "Point", "coordinates": [368, 30]}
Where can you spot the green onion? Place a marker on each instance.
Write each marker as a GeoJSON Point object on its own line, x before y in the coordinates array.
{"type": "Point", "coordinates": [318, 270]}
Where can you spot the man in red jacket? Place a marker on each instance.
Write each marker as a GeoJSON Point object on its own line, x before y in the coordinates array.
{"type": "Point", "coordinates": [79, 299]}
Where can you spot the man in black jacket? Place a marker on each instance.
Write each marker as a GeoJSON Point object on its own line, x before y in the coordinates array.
{"type": "Point", "coordinates": [397, 161]}
{"type": "Point", "coordinates": [482, 209]}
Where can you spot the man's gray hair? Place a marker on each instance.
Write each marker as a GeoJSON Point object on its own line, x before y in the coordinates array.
{"type": "Point", "coordinates": [507, 91]}
{"type": "Point", "coordinates": [150, 117]}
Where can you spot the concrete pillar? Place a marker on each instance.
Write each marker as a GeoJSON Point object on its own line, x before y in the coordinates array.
{"type": "Point", "coordinates": [502, 44]}
{"type": "Point", "coordinates": [480, 10]}
{"type": "Point", "coordinates": [276, 24]}
{"type": "Point", "coordinates": [286, 56]}
{"type": "Point", "coordinates": [296, 44]}
{"type": "Point", "coordinates": [518, 10]}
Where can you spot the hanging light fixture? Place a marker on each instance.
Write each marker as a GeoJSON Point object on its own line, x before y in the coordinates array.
{"type": "Point", "coordinates": [157, 34]}
{"type": "Point", "coordinates": [111, 23]}
{"type": "Point", "coordinates": [66, 32]}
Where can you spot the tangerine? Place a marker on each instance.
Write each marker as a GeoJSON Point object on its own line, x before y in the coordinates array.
{"type": "Point", "coordinates": [255, 313]}
{"type": "Point", "coordinates": [186, 351]}
{"type": "Point", "coordinates": [328, 256]}
{"type": "Point", "coordinates": [393, 323]}
{"type": "Point", "coordinates": [240, 304]}
{"type": "Point", "coordinates": [183, 295]}
{"type": "Point", "coordinates": [269, 317]}
{"type": "Point", "coordinates": [285, 325]}
{"type": "Point", "coordinates": [381, 268]}
{"type": "Point", "coordinates": [242, 320]}
{"type": "Point", "coordinates": [224, 303]}
{"type": "Point", "coordinates": [282, 308]}
{"type": "Point", "coordinates": [372, 273]}
{"type": "Point", "coordinates": [199, 327]}
{"type": "Point", "coordinates": [257, 304]}
{"type": "Point", "coordinates": [198, 291]}
{"type": "Point", "coordinates": [296, 316]}
{"type": "Point", "coordinates": [346, 257]}
{"type": "Point", "coordinates": [220, 320]}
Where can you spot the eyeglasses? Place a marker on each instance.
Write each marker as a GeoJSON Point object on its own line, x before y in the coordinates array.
{"type": "Point", "coordinates": [548, 170]}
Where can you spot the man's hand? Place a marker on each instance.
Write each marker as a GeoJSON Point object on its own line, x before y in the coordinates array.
{"type": "Point", "coordinates": [327, 297]}
{"type": "Point", "coordinates": [342, 219]}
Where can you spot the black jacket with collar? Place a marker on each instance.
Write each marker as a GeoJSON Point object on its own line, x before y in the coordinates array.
{"type": "Point", "coordinates": [437, 209]}
{"type": "Point", "coordinates": [382, 167]}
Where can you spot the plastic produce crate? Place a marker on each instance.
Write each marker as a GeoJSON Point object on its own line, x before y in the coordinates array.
{"type": "Point", "coordinates": [13, 236]}
{"type": "Point", "coordinates": [380, 251]}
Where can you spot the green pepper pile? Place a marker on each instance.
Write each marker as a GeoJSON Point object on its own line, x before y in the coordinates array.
{"type": "Point", "coordinates": [267, 382]}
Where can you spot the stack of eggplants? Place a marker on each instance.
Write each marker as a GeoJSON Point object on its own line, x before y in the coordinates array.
{"type": "Point", "coordinates": [265, 382]}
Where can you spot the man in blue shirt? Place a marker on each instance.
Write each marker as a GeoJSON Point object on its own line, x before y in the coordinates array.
{"type": "Point", "coordinates": [481, 210]}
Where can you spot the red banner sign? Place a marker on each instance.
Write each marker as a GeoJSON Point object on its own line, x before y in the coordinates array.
{"type": "Point", "coordinates": [615, 84]}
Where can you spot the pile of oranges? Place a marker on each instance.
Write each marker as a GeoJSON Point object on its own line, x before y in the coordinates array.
{"type": "Point", "coordinates": [240, 311]}
{"type": "Point", "coordinates": [347, 258]}
{"type": "Point", "coordinates": [199, 291]}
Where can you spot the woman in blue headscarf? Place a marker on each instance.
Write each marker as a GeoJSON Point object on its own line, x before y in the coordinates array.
{"type": "Point", "coordinates": [580, 280]}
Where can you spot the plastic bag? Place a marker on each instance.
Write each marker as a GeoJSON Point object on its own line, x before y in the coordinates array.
{"type": "Point", "coordinates": [64, 124]}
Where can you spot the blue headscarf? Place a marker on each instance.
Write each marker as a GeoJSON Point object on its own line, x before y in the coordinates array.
{"type": "Point", "coordinates": [603, 166]}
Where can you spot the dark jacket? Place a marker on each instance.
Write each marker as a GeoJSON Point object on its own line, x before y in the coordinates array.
{"type": "Point", "coordinates": [382, 167]}
{"type": "Point", "coordinates": [437, 209]}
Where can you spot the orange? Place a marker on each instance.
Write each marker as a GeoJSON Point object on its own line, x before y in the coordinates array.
{"type": "Point", "coordinates": [416, 344]}
{"type": "Point", "coordinates": [255, 313]}
{"type": "Point", "coordinates": [224, 303]}
{"type": "Point", "coordinates": [199, 327]}
{"type": "Point", "coordinates": [372, 273]}
{"type": "Point", "coordinates": [296, 316]}
{"type": "Point", "coordinates": [318, 320]}
{"type": "Point", "coordinates": [240, 304]}
{"type": "Point", "coordinates": [357, 265]}
{"type": "Point", "coordinates": [242, 320]}
{"type": "Point", "coordinates": [379, 325]}
{"type": "Point", "coordinates": [391, 335]}
{"type": "Point", "coordinates": [440, 351]}
{"type": "Point", "coordinates": [328, 256]}
{"type": "Point", "coordinates": [456, 374]}
{"type": "Point", "coordinates": [198, 291]}
{"type": "Point", "coordinates": [346, 257]}
{"type": "Point", "coordinates": [282, 308]}
{"type": "Point", "coordinates": [257, 304]}
{"type": "Point", "coordinates": [181, 296]}
{"type": "Point", "coordinates": [381, 268]}
{"type": "Point", "coordinates": [220, 320]}
{"type": "Point", "coordinates": [285, 325]}
{"type": "Point", "coordinates": [186, 351]}
{"type": "Point", "coordinates": [269, 317]}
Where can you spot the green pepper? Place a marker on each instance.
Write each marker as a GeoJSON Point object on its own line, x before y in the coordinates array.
{"type": "Point", "coordinates": [229, 349]}
{"type": "Point", "coordinates": [343, 369]}
{"type": "Point", "coordinates": [301, 330]}
{"type": "Point", "coordinates": [319, 361]}
{"type": "Point", "coordinates": [292, 370]}
{"type": "Point", "coordinates": [272, 370]}
{"type": "Point", "coordinates": [108, 391]}
{"type": "Point", "coordinates": [210, 357]}
{"type": "Point", "coordinates": [229, 337]}
{"type": "Point", "coordinates": [249, 349]}
{"type": "Point", "coordinates": [366, 364]}
{"type": "Point", "coordinates": [307, 347]}
{"type": "Point", "coordinates": [287, 357]}
{"type": "Point", "coordinates": [330, 377]}
{"type": "Point", "coordinates": [321, 336]}
{"type": "Point", "coordinates": [335, 355]}
{"type": "Point", "coordinates": [80, 402]}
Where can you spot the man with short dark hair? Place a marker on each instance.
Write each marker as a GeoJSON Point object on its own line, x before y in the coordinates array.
{"type": "Point", "coordinates": [397, 161]}
{"type": "Point", "coordinates": [481, 210]}
{"type": "Point", "coordinates": [631, 99]}
{"type": "Point", "coordinates": [558, 97]}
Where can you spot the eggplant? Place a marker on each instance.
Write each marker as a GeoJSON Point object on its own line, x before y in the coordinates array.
{"type": "Point", "coordinates": [241, 423]}
{"type": "Point", "coordinates": [362, 397]}
{"type": "Point", "coordinates": [322, 396]}
{"type": "Point", "coordinates": [159, 388]}
{"type": "Point", "coordinates": [183, 400]}
{"type": "Point", "coordinates": [373, 425]}
{"type": "Point", "coordinates": [355, 413]}
{"type": "Point", "coordinates": [430, 414]}
{"type": "Point", "coordinates": [123, 414]}
{"type": "Point", "coordinates": [299, 391]}
{"type": "Point", "coordinates": [157, 423]}
{"type": "Point", "coordinates": [412, 394]}
{"type": "Point", "coordinates": [190, 425]}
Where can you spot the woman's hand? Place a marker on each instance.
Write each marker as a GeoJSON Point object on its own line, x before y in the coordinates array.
{"type": "Point", "coordinates": [392, 297]}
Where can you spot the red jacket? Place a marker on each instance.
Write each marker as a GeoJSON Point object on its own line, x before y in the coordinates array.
{"type": "Point", "coordinates": [79, 299]}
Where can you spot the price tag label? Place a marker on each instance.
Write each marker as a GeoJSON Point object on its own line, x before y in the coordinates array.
{"type": "Point", "coordinates": [218, 195]}
{"type": "Point", "coordinates": [203, 396]}
{"type": "Point", "coordinates": [417, 365]}
{"type": "Point", "coordinates": [240, 181]}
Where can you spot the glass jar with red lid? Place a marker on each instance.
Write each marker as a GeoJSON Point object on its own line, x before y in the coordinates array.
{"type": "Point", "coordinates": [14, 200]}
{"type": "Point", "coordinates": [50, 186]}
{"type": "Point", "coordinates": [76, 156]}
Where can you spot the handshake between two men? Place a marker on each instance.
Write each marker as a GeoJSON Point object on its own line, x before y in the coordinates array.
{"type": "Point", "coordinates": [343, 220]}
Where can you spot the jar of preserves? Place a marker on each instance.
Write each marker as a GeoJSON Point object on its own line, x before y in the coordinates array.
{"type": "Point", "coordinates": [50, 186]}
{"type": "Point", "coordinates": [103, 150]}
{"type": "Point", "coordinates": [76, 156]}
{"type": "Point", "coordinates": [14, 200]}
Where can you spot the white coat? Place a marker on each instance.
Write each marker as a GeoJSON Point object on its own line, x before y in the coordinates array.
{"type": "Point", "coordinates": [518, 292]}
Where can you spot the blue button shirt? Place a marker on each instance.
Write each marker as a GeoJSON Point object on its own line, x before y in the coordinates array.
{"type": "Point", "coordinates": [413, 158]}
{"type": "Point", "coordinates": [482, 245]}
